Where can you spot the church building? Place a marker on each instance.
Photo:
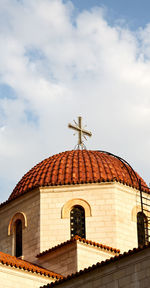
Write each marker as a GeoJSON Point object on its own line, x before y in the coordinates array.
{"type": "Point", "coordinates": [77, 219]}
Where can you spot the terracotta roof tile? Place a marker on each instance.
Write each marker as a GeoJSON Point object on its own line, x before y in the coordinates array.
{"type": "Point", "coordinates": [78, 167]}
{"type": "Point", "coordinates": [77, 238]}
{"type": "Point", "coordinates": [22, 264]}
{"type": "Point", "coordinates": [95, 266]}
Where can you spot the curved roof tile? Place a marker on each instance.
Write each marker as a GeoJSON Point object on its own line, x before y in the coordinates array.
{"type": "Point", "coordinates": [78, 167]}
{"type": "Point", "coordinates": [13, 261]}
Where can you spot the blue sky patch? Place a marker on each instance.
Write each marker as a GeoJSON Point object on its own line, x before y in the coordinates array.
{"type": "Point", "coordinates": [7, 91]}
{"type": "Point", "coordinates": [135, 12]}
{"type": "Point", "coordinates": [34, 54]}
{"type": "Point", "coordinates": [31, 117]}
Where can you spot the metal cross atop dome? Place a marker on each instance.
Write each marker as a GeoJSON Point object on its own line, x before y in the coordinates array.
{"type": "Point", "coordinates": [81, 133]}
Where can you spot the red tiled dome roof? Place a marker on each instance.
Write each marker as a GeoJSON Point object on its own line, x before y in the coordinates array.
{"type": "Point", "coordinates": [78, 167]}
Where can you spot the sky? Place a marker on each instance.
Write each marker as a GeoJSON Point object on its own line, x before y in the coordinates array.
{"type": "Point", "coordinates": [64, 59]}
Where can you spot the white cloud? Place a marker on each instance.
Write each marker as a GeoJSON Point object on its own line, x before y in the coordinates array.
{"type": "Point", "coordinates": [60, 66]}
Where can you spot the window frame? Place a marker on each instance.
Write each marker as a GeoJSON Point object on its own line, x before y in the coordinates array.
{"type": "Point", "coordinates": [77, 214]}
{"type": "Point", "coordinates": [142, 229]}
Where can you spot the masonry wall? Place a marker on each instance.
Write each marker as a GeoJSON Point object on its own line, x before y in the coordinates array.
{"type": "Point", "coordinates": [62, 261]}
{"type": "Point", "coordinates": [101, 227]}
{"type": "Point", "coordinates": [29, 204]}
{"type": "Point", "coordinates": [127, 207]}
{"type": "Point", "coordinates": [88, 255]}
{"type": "Point", "coordinates": [73, 257]}
{"type": "Point", "coordinates": [129, 272]}
{"type": "Point", "coordinates": [12, 277]}
{"type": "Point", "coordinates": [111, 222]}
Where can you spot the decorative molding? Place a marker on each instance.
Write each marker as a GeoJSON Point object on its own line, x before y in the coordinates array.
{"type": "Point", "coordinates": [135, 210]}
{"type": "Point", "coordinates": [18, 216]}
{"type": "Point", "coordinates": [65, 213]}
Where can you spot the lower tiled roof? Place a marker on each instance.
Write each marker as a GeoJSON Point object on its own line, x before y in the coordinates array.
{"type": "Point", "coordinates": [13, 261]}
{"type": "Point", "coordinates": [95, 266]}
{"type": "Point", "coordinates": [77, 238]}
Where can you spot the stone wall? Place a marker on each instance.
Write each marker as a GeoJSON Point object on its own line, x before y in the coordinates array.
{"type": "Point", "coordinates": [62, 261]}
{"type": "Point", "coordinates": [12, 277]}
{"type": "Point", "coordinates": [73, 257]}
{"type": "Point", "coordinates": [132, 271]}
{"type": "Point", "coordinates": [29, 204]}
{"type": "Point", "coordinates": [88, 255]}
{"type": "Point", "coordinates": [111, 222]}
{"type": "Point", "coordinates": [127, 200]}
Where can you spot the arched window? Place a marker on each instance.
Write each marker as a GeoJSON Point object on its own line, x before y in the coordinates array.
{"type": "Point", "coordinates": [142, 229]}
{"type": "Point", "coordinates": [18, 238]}
{"type": "Point", "coordinates": [77, 221]}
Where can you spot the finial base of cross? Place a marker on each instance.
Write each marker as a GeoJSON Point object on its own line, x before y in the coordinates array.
{"type": "Point", "coordinates": [81, 133]}
{"type": "Point", "coordinates": [80, 147]}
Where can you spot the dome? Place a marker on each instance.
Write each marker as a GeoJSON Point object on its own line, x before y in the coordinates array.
{"type": "Point", "coordinates": [78, 167]}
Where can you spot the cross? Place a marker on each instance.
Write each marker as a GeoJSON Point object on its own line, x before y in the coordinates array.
{"type": "Point", "coordinates": [81, 131]}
